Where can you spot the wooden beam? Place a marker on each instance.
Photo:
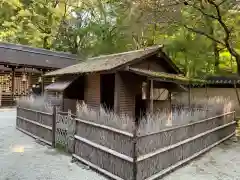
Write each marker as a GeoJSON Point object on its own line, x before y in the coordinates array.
{"type": "Point", "coordinates": [42, 73]}
{"type": "Point", "coordinates": [189, 95]}
{"type": "Point", "coordinates": [117, 94]}
{"type": "Point", "coordinates": [170, 99]}
{"type": "Point", "coordinates": [206, 90]}
{"type": "Point", "coordinates": [151, 96]}
{"type": "Point", "coordinates": [13, 84]}
{"type": "Point", "coordinates": [169, 123]}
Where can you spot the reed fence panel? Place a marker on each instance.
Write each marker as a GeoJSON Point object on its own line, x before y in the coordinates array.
{"type": "Point", "coordinates": [112, 138]}
{"type": "Point", "coordinates": [107, 148]}
{"type": "Point", "coordinates": [170, 148]}
{"type": "Point", "coordinates": [123, 155]}
{"type": "Point", "coordinates": [35, 123]}
{"type": "Point", "coordinates": [151, 142]}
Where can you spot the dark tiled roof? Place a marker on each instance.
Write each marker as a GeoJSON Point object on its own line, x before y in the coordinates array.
{"type": "Point", "coordinates": [34, 57]}
{"type": "Point", "coordinates": [27, 70]}
{"type": "Point", "coordinates": [106, 62]}
{"type": "Point", "coordinates": [228, 79]}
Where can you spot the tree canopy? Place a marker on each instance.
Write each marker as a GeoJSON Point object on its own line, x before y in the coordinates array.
{"type": "Point", "coordinates": [200, 35]}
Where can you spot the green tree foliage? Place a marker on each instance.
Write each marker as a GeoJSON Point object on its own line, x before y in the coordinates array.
{"type": "Point", "coordinates": [31, 22]}
{"type": "Point", "coordinates": [193, 32]}
{"type": "Point", "coordinates": [217, 21]}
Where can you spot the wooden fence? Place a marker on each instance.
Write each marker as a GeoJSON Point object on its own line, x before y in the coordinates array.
{"type": "Point", "coordinates": [122, 155]}
{"type": "Point", "coordinates": [159, 153]}
{"type": "Point", "coordinates": [36, 124]}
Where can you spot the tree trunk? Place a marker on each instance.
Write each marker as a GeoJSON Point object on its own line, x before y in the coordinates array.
{"type": "Point", "coordinates": [238, 64]}
{"type": "Point", "coordinates": [236, 55]}
{"type": "Point", "coordinates": [214, 44]}
{"type": "Point", "coordinates": [216, 54]}
{"type": "Point", "coordinates": [45, 43]}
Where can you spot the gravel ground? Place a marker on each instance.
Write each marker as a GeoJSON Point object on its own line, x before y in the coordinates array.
{"type": "Point", "coordinates": [221, 163]}
{"type": "Point", "coordinates": [22, 158]}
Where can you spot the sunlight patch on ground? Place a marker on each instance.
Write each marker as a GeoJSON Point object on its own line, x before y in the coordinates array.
{"type": "Point", "coordinates": [21, 148]}
{"type": "Point", "coordinates": [18, 149]}
{"type": "Point", "coordinates": [7, 109]}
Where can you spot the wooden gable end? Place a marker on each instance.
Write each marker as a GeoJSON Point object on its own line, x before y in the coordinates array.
{"type": "Point", "coordinates": [155, 63]}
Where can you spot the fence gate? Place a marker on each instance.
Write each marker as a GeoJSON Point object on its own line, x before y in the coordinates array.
{"type": "Point", "coordinates": [65, 129]}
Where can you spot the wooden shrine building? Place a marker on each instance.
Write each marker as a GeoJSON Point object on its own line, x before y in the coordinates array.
{"type": "Point", "coordinates": [123, 82]}
{"type": "Point", "coordinates": [21, 67]}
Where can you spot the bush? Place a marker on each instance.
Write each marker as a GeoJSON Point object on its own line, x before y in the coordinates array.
{"type": "Point", "coordinates": [105, 117]}
{"type": "Point", "coordinates": [200, 110]}
{"type": "Point", "coordinates": [160, 120]}
{"type": "Point", "coordinates": [38, 103]}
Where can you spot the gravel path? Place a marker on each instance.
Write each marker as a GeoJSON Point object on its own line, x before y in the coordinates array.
{"type": "Point", "coordinates": [221, 163]}
{"type": "Point", "coordinates": [22, 158]}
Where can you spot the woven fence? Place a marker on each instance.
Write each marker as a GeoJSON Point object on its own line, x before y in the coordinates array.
{"type": "Point", "coordinates": [35, 123]}
{"type": "Point", "coordinates": [159, 153]}
{"type": "Point", "coordinates": [106, 149]}
{"type": "Point", "coordinates": [123, 155]}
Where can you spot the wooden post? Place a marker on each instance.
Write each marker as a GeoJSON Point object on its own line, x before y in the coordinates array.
{"type": "Point", "coordinates": [13, 85]}
{"type": "Point", "coordinates": [236, 120]}
{"type": "Point", "coordinates": [42, 82]}
{"type": "Point", "coordinates": [236, 90]}
{"type": "Point", "coordinates": [135, 151]}
{"type": "Point", "coordinates": [189, 95]}
{"type": "Point", "coordinates": [170, 99]}
{"type": "Point", "coordinates": [117, 94]}
{"type": "Point", "coordinates": [74, 133]}
{"type": "Point", "coordinates": [29, 82]}
{"type": "Point", "coordinates": [54, 116]}
{"type": "Point", "coordinates": [151, 96]}
{"type": "Point", "coordinates": [206, 90]}
{"type": "Point", "coordinates": [169, 123]}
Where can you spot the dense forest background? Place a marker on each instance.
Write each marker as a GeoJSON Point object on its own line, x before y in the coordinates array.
{"type": "Point", "coordinates": [200, 35]}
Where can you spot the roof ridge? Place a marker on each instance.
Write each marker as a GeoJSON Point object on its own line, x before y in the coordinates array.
{"type": "Point", "coordinates": [126, 52]}
{"type": "Point", "coordinates": [36, 50]}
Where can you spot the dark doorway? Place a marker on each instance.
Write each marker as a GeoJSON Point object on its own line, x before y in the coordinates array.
{"type": "Point", "coordinates": [107, 91]}
{"type": "Point", "coordinates": [140, 107]}
{"type": "Point", "coordinates": [76, 89]}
